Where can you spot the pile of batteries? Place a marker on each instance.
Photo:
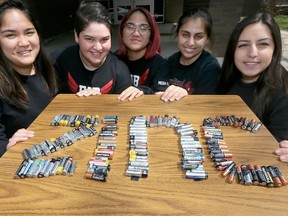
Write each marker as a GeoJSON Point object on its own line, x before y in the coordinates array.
{"type": "Point", "coordinates": [54, 144]}
{"type": "Point", "coordinates": [39, 168]}
{"type": "Point", "coordinates": [247, 174]}
{"type": "Point", "coordinates": [31, 166]}
{"type": "Point", "coordinates": [269, 176]}
{"type": "Point", "coordinates": [75, 120]}
{"type": "Point", "coordinates": [230, 120]}
{"type": "Point", "coordinates": [192, 161]}
{"type": "Point", "coordinates": [99, 163]}
{"type": "Point", "coordinates": [138, 165]}
{"type": "Point", "coordinates": [159, 121]}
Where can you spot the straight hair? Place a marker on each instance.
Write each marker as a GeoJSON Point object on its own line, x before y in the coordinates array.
{"type": "Point", "coordinates": [271, 79]}
{"type": "Point", "coordinates": [12, 89]}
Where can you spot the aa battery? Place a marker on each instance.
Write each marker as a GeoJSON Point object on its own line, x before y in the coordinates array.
{"type": "Point", "coordinates": [196, 175]}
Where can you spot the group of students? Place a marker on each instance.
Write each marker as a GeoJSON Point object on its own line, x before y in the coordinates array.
{"type": "Point", "coordinates": [29, 81]}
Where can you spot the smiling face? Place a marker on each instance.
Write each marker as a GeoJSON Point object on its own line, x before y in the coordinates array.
{"type": "Point", "coordinates": [254, 51]}
{"type": "Point", "coordinates": [192, 39]}
{"type": "Point", "coordinates": [95, 44]}
{"type": "Point", "coordinates": [136, 41]}
{"type": "Point", "coordinates": [19, 41]}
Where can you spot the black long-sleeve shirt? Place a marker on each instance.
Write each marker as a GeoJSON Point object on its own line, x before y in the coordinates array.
{"type": "Point", "coordinates": [149, 76]}
{"type": "Point", "coordinates": [277, 117]}
{"type": "Point", "coordinates": [112, 77]}
{"type": "Point", "coordinates": [200, 77]}
{"type": "Point", "coordinates": [12, 118]}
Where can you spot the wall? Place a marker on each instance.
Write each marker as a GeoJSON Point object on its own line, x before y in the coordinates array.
{"type": "Point", "coordinates": [226, 14]}
{"type": "Point", "coordinates": [173, 10]}
{"type": "Point", "coordinates": [188, 4]}
{"type": "Point", "coordinates": [57, 16]}
{"type": "Point", "coordinates": [54, 17]}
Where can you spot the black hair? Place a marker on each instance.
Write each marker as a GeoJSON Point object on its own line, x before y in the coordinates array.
{"type": "Point", "coordinates": [12, 89]}
{"type": "Point", "coordinates": [198, 13]}
{"type": "Point", "coordinates": [273, 78]}
{"type": "Point", "coordinates": [90, 11]}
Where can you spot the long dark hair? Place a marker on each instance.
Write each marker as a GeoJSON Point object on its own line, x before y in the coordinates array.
{"type": "Point", "coordinates": [274, 77]}
{"type": "Point", "coordinates": [12, 89]}
{"type": "Point", "coordinates": [153, 48]}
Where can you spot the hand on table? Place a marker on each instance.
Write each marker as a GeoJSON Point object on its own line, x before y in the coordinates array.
{"type": "Point", "coordinates": [283, 151]}
{"type": "Point", "coordinates": [130, 93]}
{"type": "Point", "coordinates": [173, 93]}
{"type": "Point", "coordinates": [19, 136]}
{"type": "Point", "coordinates": [88, 92]}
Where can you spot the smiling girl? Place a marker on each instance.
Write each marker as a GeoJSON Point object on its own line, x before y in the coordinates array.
{"type": "Point", "coordinates": [139, 47]}
{"type": "Point", "coordinates": [193, 70]}
{"type": "Point", "coordinates": [89, 67]}
{"type": "Point", "coordinates": [252, 70]}
{"type": "Point", "coordinates": [27, 79]}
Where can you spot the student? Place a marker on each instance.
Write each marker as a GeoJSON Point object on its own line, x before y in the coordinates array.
{"type": "Point", "coordinates": [192, 69]}
{"type": "Point", "coordinates": [27, 79]}
{"type": "Point", "coordinates": [252, 70]}
{"type": "Point", "coordinates": [89, 68]}
{"type": "Point", "coordinates": [139, 47]}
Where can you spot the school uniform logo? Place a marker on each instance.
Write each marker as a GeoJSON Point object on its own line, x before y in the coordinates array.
{"type": "Point", "coordinates": [187, 86]}
{"type": "Point", "coordinates": [139, 80]}
{"type": "Point", "coordinates": [75, 87]}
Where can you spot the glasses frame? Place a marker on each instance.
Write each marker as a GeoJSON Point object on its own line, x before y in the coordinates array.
{"type": "Point", "coordinates": [129, 26]}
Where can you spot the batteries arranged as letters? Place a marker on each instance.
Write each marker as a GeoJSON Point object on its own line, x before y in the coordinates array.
{"type": "Point", "coordinates": [230, 120]}
{"type": "Point", "coordinates": [138, 164]}
{"type": "Point", "coordinates": [247, 174]}
{"type": "Point", "coordinates": [99, 163]}
{"type": "Point", "coordinates": [39, 168]}
{"type": "Point", "coordinates": [54, 144]}
{"type": "Point", "coordinates": [192, 152]}
{"type": "Point", "coordinates": [75, 120]}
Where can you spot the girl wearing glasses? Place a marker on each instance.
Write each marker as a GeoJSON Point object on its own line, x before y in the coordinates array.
{"type": "Point", "coordinates": [252, 70]}
{"type": "Point", "coordinates": [27, 78]}
{"type": "Point", "coordinates": [192, 69]}
{"type": "Point", "coordinates": [89, 68]}
{"type": "Point", "coordinates": [139, 47]}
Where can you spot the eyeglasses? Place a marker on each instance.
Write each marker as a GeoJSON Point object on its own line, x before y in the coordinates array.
{"type": "Point", "coordinates": [131, 28]}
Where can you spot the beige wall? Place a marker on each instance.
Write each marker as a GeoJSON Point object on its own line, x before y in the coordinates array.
{"type": "Point", "coordinates": [226, 14]}
{"type": "Point", "coordinates": [173, 10]}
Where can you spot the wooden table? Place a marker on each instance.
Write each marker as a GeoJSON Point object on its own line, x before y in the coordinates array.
{"type": "Point", "coordinates": [166, 190]}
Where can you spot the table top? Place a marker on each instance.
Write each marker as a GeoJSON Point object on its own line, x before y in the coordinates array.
{"type": "Point", "coordinates": [165, 190]}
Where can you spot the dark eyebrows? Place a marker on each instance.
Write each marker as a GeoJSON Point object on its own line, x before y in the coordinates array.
{"type": "Point", "coordinates": [265, 39]}
{"type": "Point", "coordinates": [11, 30]}
{"type": "Point", "coordinates": [106, 37]}
{"type": "Point", "coordinates": [131, 23]}
{"type": "Point", "coordinates": [7, 31]}
{"type": "Point", "coordinates": [184, 31]}
{"type": "Point", "coordinates": [241, 41]}
{"type": "Point", "coordinates": [198, 33]}
{"type": "Point", "coordinates": [92, 37]}
{"type": "Point", "coordinates": [262, 39]}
